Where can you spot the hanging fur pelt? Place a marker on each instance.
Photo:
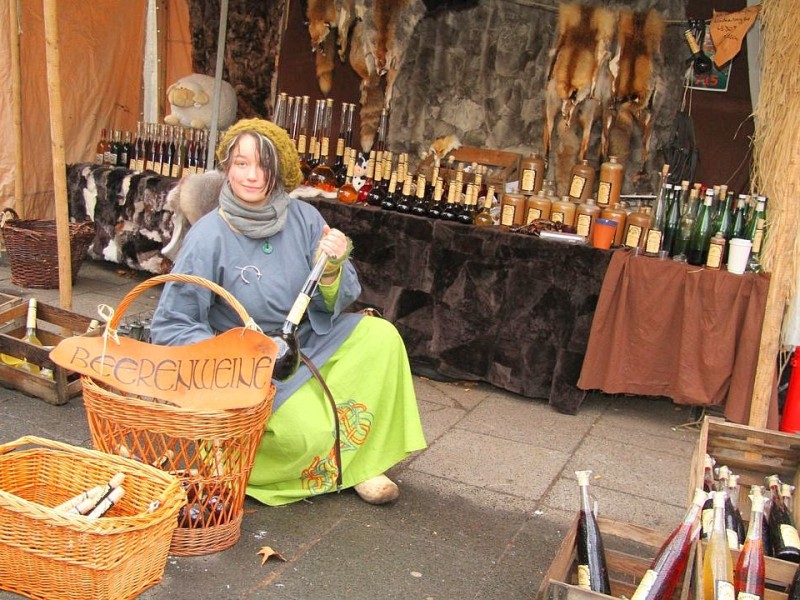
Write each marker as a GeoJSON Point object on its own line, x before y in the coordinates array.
{"type": "Point", "coordinates": [321, 18]}
{"type": "Point", "coordinates": [371, 87]}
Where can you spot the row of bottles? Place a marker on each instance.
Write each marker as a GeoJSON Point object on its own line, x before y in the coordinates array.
{"type": "Point", "coordinates": [31, 337]}
{"type": "Point", "coordinates": [167, 150]}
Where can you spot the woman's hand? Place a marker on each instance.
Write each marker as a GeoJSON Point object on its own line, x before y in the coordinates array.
{"type": "Point", "coordinates": [333, 243]}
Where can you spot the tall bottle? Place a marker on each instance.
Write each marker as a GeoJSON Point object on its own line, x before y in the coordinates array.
{"type": "Point", "coordinates": [405, 201]}
{"type": "Point", "coordinates": [688, 217]}
{"type": "Point", "coordinates": [421, 204]}
{"type": "Point", "coordinates": [322, 176]}
{"type": "Point", "coordinates": [532, 168]}
{"type": "Point", "coordinates": [610, 182]}
{"type": "Point", "coordinates": [782, 531]}
{"type": "Point", "coordinates": [754, 231]}
{"type": "Point", "coordinates": [739, 217]}
{"type": "Point", "coordinates": [748, 575]}
{"type": "Point", "coordinates": [731, 528]}
{"type": "Point", "coordinates": [31, 337]}
{"type": "Point", "coordinates": [100, 150]}
{"type": "Point", "coordinates": [436, 207]}
{"type": "Point", "coordinates": [793, 592]}
{"type": "Point", "coordinates": [368, 181]}
{"type": "Point", "coordinates": [376, 193]}
{"type": "Point", "coordinates": [658, 215]}
{"type": "Point", "coordinates": [758, 490]}
{"type": "Point", "coordinates": [661, 579]}
{"type": "Point", "coordinates": [302, 138]}
{"type": "Point", "coordinates": [581, 184]}
{"type": "Point", "coordinates": [717, 562]}
{"type": "Point", "coordinates": [672, 221]}
{"type": "Point", "coordinates": [733, 495]}
{"type": "Point", "coordinates": [592, 570]}
{"type": "Point", "coordinates": [287, 360]}
{"type": "Point", "coordinates": [483, 218]}
{"type": "Point", "coordinates": [697, 249]}
{"type": "Point", "coordinates": [348, 194]}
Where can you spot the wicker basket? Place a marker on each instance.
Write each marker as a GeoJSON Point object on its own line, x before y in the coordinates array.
{"type": "Point", "coordinates": [211, 451]}
{"type": "Point", "coordinates": [53, 556]}
{"type": "Point", "coordinates": [32, 248]}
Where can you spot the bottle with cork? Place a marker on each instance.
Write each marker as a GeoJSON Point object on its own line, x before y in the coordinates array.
{"type": "Point", "coordinates": [581, 183]}
{"type": "Point", "coordinates": [610, 183]}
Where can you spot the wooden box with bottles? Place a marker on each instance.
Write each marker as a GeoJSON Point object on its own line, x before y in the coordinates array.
{"type": "Point", "coordinates": [53, 325]}
{"type": "Point", "coordinates": [502, 166]}
{"type": "Point", "coordinates": [629, 550]}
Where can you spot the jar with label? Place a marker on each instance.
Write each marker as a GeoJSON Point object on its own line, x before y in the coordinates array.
{"type": "Point", "coordinates": [617, 214]}
{"type": "Point", "coordinates": [537, 207]}
{"type": "Point", "coordinates": [512, 210]}
{"type": "Point", "coordinates": [532, 173]}
{"type": "Point", "coordinates": [581, 184]}
{"type": "Point", "coordinates": [563, 211]}
{"type": "Point", "coordinates": [716, 250]}
{"type": "Point", "coordinates": [610, 186]}
{"type": "Point", "coordinates": [636, 227]}
{"type": "Point", "coordinates": [585, 216]}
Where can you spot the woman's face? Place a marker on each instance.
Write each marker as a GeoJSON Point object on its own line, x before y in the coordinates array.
{"type": "Point", "coordinates": [248, 180]}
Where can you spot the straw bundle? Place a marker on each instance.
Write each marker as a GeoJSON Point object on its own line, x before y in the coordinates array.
{"type": "Point", "coordinates": [776, 173]}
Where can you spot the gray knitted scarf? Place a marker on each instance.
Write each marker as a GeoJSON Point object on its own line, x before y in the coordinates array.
{"type": "Point", "coordinates": [256, 223]}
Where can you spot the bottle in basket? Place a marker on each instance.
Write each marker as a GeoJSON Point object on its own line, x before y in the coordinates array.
{"type": "Point", "coordinates": [592, 570]}
{"type": "Point", "coordinates": [748, 576]}
{"type": "Point", "coordinates": [661, 579]}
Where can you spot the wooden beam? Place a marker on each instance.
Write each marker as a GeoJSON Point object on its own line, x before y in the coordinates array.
{"type": "Point", "coordinates": [16, 108]}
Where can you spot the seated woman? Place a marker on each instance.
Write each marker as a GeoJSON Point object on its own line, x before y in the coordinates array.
{"type": "Point", "coordinates": [260, 245]}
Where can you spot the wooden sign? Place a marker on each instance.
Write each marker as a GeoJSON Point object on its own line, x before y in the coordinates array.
{"type": "Point", "coordinates": [231, 370]}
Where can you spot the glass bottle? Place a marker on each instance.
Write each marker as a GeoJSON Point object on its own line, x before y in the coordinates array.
{"type": "Point", "coordinates": [123, 159]}
{"type": "Point", "coordinates": [748, 575]}
{"type": "Point", "coordinates": [450, 210]}
{"type": "Point", "coordinates": [672, 221]}
{"type": "Point", "coordinates": [592, 570]}
{"type": "Point", "coordinates": [782, 530]}
{"type": "Point", "coordinates": [688, 217]}
{"type": "Point", "coordinates": [733, 495]}
{"type": "Point", "coordinates": [754, 231]}
{"type": "Point", "coordinates": [581, 183]}
{"type": "Point", "coordinates": [368, 180]}
{"type": "Point", "coordinates": [420, 205]}
{"type": "Point", "coordinates": [666, 570]}
{"type": "Point", "coordinates": [168, 152]}
{"type": "Point", "coordinates": [406, 199]}
{"type": "Point", "coordinates": [100, 149]}
{"type": "Point", "coordinates": [610, 182]}
{"type": "Point", "coordinates": [793, 592]}
{"type": "Point", "coordinates": [30, 337]}
{"type": "Point", "coordinates": [757, 490]}
{"type": "Point", "coordinates": [112, 148]}
{"type": "Point", "coordinates": [737, 230]}
{"type": "Point", "coordinates": [716, 252]}
{"type": "Point", "coordinates": [467, 214]}
{"type": "Point", "coordinates": [376, 194]}
{"type": "Point", "coordinates": [717, 562]}
{"type": "Point", "coordinates": [731, 529]}
{"type": "Point", "coordinates": [655, 233]}
{"type": "Point", "coordinates": [390, 197]}
{"type": "Point", "coordinates": [697, 250]}
{"type": "Point", "coordinates": [322, 176]}
{"type": "Point", "coordinates": [483, 218]}
{"type": "Point", "coordinates": [348, 194]}
{"type": "Point", "coordinates": [436, 207]}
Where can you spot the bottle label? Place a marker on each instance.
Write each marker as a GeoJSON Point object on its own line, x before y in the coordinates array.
{"type": "Point", "coordinates": [723, 590]}
{"type": "Point", "coordinates": [584, 580]}
{"type": "Point", "coordinates": [790, 536]}
{"type": "Point", "coordinates": [603, 193]}
{"type": "Point", "coordinates": [528, 177]}
{"type": "Point", "coordinates": [714, 260]}
{"type": "Point", "coordinates": [633, 237]}
{"type": "Point", "coordinates": [708, 522]}
{"type": "Point", "coordinates": [758, 236]}
{"type": "Point", "coordinates": [175, 171]}
{"type": "Point", "coordinates": [653, 243]}
{"type": "Point", "coordinates": [645, 585]}
{"type": "Point", "coordinates": [557, 217]}
{"type": "Point", "coordinates": [746, 596]}
{"type": "Point", "coordinates": [507, 215]}
{"type": "Point", "coordinates": [298, 309]}
{"type": "Point", "coordinates": [301, 144]}
{"type": "Point", "coordinates": [324, 147]}
{"type": "Point", "coordinates": [733, 539]}
{"type": "Point", "coordinates": [576, 186]}
{"type": "Point", "coordinates": [140, 164]}
{"type": "Point", "coordinates": [533, 214]}
{"type": "Point", "coordinates": [340, 147]}
{"type": "Point", "coordinates": [584, 225]}
{"type": "Point", "coordinates": [98, 158]}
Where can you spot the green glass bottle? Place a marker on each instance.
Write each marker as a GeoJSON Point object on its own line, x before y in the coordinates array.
{"type": "Point", "coordinates": [739, 217]}
{"type": "Point", "coordinates": [697, 250]}
{"type": "Point", "coordinates": [672, 221]}
{"type": "Point", "coordinates": [754, 231]}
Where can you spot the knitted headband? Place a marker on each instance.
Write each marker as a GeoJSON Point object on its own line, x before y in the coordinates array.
{"type": "Point", "coordinates": [288, 159]}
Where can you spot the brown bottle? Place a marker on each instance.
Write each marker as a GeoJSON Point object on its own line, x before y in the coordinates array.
{"type": "Point", "coordinates": [537, 207]}
{"type": "Point", "coordinates": [563, 211]}
{"type": "Point", "coordinates": [610, 186]}
{"type": "Point", "coordinates": [585, 217]}
{"type": "Point", "coordinates": [532, 170]}
{"type": "Point", "coordinates": [716, 250]}
{"type": "Point", "coordinates": [581, 183]}
{"type": "Point", "coordinates": [617, 214]}
{"type": "Point", "coordinates": [636, 228]}
{"type": "Point", "coordinates": [512, 210]}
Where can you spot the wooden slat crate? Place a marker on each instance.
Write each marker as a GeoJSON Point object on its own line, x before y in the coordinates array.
{"type": "Point", "coordinates": [503, 166]}
{"type": "Point", "coordinates": [629, 551]}
{"type": "Point", "coordinates": [54, 324]}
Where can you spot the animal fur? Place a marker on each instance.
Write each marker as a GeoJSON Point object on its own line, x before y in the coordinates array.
{"type": "Point", "coordinates": [194, 196]}
{"type": "Point", "coordinates": [443, 146]}
{"type": "Point", "coordinates": [321, 18]}
{"type": "Point", "coordinates": [372, 90]}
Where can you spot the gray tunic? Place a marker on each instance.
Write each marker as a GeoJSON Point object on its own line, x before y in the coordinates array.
{"type": "Point", "coordinates": [189, 313]}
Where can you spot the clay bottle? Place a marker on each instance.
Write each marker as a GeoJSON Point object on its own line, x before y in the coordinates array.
{"type": "Point", "coordinates": [512, 210]}
{"type": "Point", "coordinates": [610, 186]}
{"type": "Point", "coordinates": [563, 211]}
{"type": "Point", "coordinates": [585, 217]}
{"type": "Point", "coordinates": [636, 228]}
{"type": "Point", "coordinates": [532, 169]}
{"type": "Point", "coordinates": [617, 214]}
{"type": "Point", "coordinates": [581, 185]}
{"type": "Point", "coordinates": [537, 207]}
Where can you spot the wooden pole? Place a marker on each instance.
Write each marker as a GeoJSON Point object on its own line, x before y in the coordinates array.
{"type": "Point", "coordinates": [16, 108]}
{"type": "Point", "coordinates": [57, 151]}
{"type": "Point", "coordinates": [212, 134]}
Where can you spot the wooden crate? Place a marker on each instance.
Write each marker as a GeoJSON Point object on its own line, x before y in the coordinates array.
{"type": "Point", "coordinates": [54, 324]}
{"type": "Point", "coordinates": [502, 166]}
{"type": "Point", "coordinates": [629, 551]}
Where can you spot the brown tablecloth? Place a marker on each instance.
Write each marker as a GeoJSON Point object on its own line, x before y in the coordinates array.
{"type": "Point", "coordinates": [670, 329]}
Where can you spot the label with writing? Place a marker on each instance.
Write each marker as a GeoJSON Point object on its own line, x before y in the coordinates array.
{"type": "Point", "coordinates": [175, 170]}
{"type": "Point", "coordinates": [733, 536]}
{"type": "Point", "coordinates": [557, 217]}
{"type": "Point", "coordinates": [533, 214]}
{"type": "Point", "coordinates": [603, 193]}
{"type": "Point", "coordinates": [139, 164]}
{"type": "Point", "coordinates": [340, 147]}
{"type": "Point", "coordinates": [584, 580]}
{"type": "Point", "coordinates": [758, 236]}
{"type": "Point", "coordinates": [707, 520]}
{"type": "Point", "coordinates": [633, 237]}
{"type": "Point", "coordinates": [576, 186]}
{"type": "Point", "coordinates": [714, 261]}
{"type": "Point", "coordinates": [790, 536]}
{"type": "Point", "coordinates": [645, 585]}
{"type": "Point", "coordinates": [507, 215]}
{"type": "Point", "coordinates": [584, 225]}
{"type": "Point", "coordinates": [653, 243]}
{"type": "Point", "coordinates": [528, 177]}
{"type": "Point", "coordinates": [301, 144]}
{"type": "Point", "coordinates": [324, 146]}
{"type": "Point", "coordinates": [723, 590]}
{"type": "Point", "coordinates": [746, 596]}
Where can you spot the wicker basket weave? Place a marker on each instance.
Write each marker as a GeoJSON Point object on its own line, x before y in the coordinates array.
{"type": "Point", "coordinates": [50, 555]}
{"type": "Point", "coordinates": [32, 248]}
{"type": "Point", "coordinates": [211, 451]}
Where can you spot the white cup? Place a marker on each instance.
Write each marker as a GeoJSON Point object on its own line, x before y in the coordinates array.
{"type": "Point", "coordinates": [738, 254]}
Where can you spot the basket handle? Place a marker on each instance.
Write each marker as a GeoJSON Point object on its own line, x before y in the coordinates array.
{"type": "Point", "coordinates": [8, 214]}
{"type": "Point", "coordinates": [249, 323]}
{"type": "Point", "coordinates": [32, 440]}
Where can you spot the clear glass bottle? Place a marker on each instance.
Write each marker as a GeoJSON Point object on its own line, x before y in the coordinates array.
{"type": "Point", "coordinates": [483, 218]}
{"type": "Point", "coordinates": [592, 569]}
{"type": "Point", "coordinates": [754, 231]}
{"type": "Point", "coordinates": [717, 562]}
{"type": "Point", "coordinates": [748, 575]}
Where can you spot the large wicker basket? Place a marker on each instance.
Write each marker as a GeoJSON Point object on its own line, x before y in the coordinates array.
{"type": "Point", "coordinates": [32, 249]}
{"type": "Point", "coordinates": [54, 556]}
{"type": "Point", "coordinates": [211, 451]}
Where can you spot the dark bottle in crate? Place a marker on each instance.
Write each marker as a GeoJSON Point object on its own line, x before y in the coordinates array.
{"type": "Point", "coordinates": [592, 569]}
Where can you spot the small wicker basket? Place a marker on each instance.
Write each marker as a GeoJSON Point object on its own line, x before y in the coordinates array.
{"type": "Point", "coordinates": [32, 249]}
{"type": "Point", "coordinates": [211, 451]}
{"type": "Point", "coordinates": [51, 555]}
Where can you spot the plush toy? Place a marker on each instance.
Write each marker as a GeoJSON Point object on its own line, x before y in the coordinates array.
{"type": "Point", "coordinates": [190, 100]}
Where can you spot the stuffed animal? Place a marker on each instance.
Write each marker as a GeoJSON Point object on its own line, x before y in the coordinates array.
{"type": "Point", "coordinates": [190, 100]}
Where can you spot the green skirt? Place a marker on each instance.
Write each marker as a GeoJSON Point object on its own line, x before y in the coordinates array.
{"type": "Point", "coordinates": [370, 379]}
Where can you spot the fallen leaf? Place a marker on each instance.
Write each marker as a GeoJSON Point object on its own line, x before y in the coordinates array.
{"type": "Point", "coordinates": [267, 552]}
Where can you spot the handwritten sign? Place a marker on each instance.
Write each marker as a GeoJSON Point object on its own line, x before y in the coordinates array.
{"type": "Point", "coordinates": [232, 370]}
{"type": "Point", "coordinates": [728, 31]}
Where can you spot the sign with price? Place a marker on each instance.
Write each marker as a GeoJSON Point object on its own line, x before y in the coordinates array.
{"type": "Point", "coordinates": [715, 80]}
